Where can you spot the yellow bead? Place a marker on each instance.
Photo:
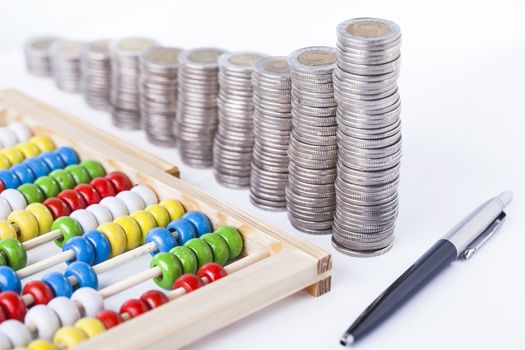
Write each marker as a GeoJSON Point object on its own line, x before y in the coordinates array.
{"type": "Point", "coordinates": [42, 215]}
{"type": "Point", "coordinates": [146, 222]}
{"type": "Point", "coordinates": [4, 162]}
{"type": "Point", "coordinates": [7, 230]}
{"type": "Point", "coordinates": [13, 155]}
{"type": "Point", "coordinates": [44, 143]}
{"type": "Point", "coordinates": [26, 223]}
{"type": "Point", "coordinates": [160, 214]}
{"type": "Point", "coordinates": [28, 149]}
{"type": "Point", "coordinates": [90, 326]}
{"type": "Point", "coordinates": [132, 231]}
{"type": "Point", "coordinates": [116, 237]}
{"type": "Point", "coordinates": [68, 337]}
{"type": "Point", "coordinates": [174, 208]}
{"type": "Point", "coordinates": [41, 345]}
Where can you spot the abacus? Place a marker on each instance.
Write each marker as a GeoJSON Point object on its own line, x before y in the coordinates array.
{"type": "Point", "coordinates": [106, 203]}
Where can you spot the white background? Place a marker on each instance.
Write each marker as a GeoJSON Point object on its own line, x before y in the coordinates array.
{"type": "Point", "coordinates": [462, 87]}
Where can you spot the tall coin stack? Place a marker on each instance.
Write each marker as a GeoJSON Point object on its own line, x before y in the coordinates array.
{"type": "Point", "coordinates": [369, 135]}
{"type": "Point", "coordinates": [96, 74]}
{"type": "Point", "coordinates": [37, 55]}
{"type": "Point", "coordinates": [125, 96]}
{"type": "Point", "coordinates": [158, 94]}
{"type": "Point", "coordinates": [272, 126]}
{"type": "Point", "coordinates": [310, 193]}
{"type": "Point", "coordinates": [197, 111]}
{"type": "Point", "coordinates": [233, 146]}
{"type": "Point", "coordinates": [66, 56]}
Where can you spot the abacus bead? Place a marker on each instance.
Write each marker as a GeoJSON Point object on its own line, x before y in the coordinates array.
{"type": "Point", "coordinates": [57, 207]}
{"type": "Point", "coordinates": [32, 193]}
{"type": "Point", "coordinates": [200, 221]}
{"type": "Point", "coordinates": [104, 187]}
{"type": "Point", "coordinates": [3, 261]}
{"type": "Point", "coordinates": [89, 193]}
{"type": "Point", "coordinates": [159, 213]}
{"type": "Point", "coordinates": [219, 247]}
{"type": "Point", "coordinates": [154, 298]}
{"type": "Point", "coordinates": [28, 149]}
{"type": "Point", "coordinates": [4, 162]}
{"type": "Point", "coordinates": [66, 310]}
{"type": "Point", "coordinates": [187, 258]}
{"type": "Point", "coordinates": [183, 230]}
{"type": "Point", "coordinates": [170, 268]}
{"type": "Point", "coordinates": [133, 307]}
{"type": "Point", "coordinates": [52, 160]}
{"type": "Point", "coordinates": [82, 248]}
{"type": "Point", "coordinates": [21, 131]}
{"type": "Point", "coordinates": [131, 229]}
{"type": "Point", "coordinates": [109, 318]}
{"type": "Point", "coordinates": [80, 175]}
{"type": "Point", "coordinates": [23, 172]}
{"type": "Point", "coordinates": [69, 228]}
{"type": "Point", "coordinates": [189, 282]}
{"type": "Point", "coordinates": [48, 186]}
{"type": "Point", "coordinates": [16, 331]}
{"type": "Point", "coordinates": [68, 155]}
{"type": "Point", "coordinates": [91, 326]}
{"type": "Point", "coordinates": [146, 193]}
{"type": "Point", "coordinates": [146, 222]}
{"type": "Point", "coordinates": [44, 143]}
{"type": "Point", "coordinates": [212, 271]}
{"type": "Point", "coordinates": [116, 237]}
{"type": "Point", "coordinates": [41, 345]}
{"type": "Point", "coordinates": [26, 223]}
{"type": "Point", "coordinates": [7, 137]}
{"type": "Point", "coordinates": [120, 181]}
{"type": "Point", "coordinates": [233, 238]}
{"type": "Point", "coordinates": [40, 291]}
{"type": "Point", "coordinates": [9, 280]}
{"type": "Point", "coordinates": [13, 305]}
{"type": "Point", "coordinates": [42, 215]}
{"type": "Point", "coordinates": [5, 343]}
{"type": "Point", "coordinates": [73, 199]}
{"type": "Point", "coordinates": [115, 206]}
{"type": "Point", "coordinates": [37, 166]}
{"type": "Point", "coordinates": [84, 274]}
{"type": "Point", "coordinates": [69, 337]}
{"type": "Point", "coordinates": [101, 245]}
{"type": "Point", "coordinates": [102, 214]}
{"type": "Point", "coordinates": [90, 300]}
{"type": "Point", "coordinates": [94, 168]}
{"type": "Point", "coordinates": [9, 180]}
{"type": "Point", "coordinates": [132, 201]}
{"type": "Point", "coordinates": [162, 238]}
{"type": "Point", "coordinates": [13, 155]}
{"type": "Point", "coordinates": [201, 249]}
{"type": "Point", "coordinates": [44, 320]}
{"type": "Point", "coordinates": [15, 199]}
{"type": "Point", "coordinates": [86, 219]}
{"type": "Point", "coordinates": [59, 284]}
{"type": "Point", "coordinates": [63, 178]}
{"type": "Point", "coordinates": [7, 230]}
{"type": "Point", "coordinates": [174, 208]}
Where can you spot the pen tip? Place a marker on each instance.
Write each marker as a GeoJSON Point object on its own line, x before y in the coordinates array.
{"type": "Point", "coordinates": [346, 340]}
{"type": "Point", "coordinates": [506, 197]}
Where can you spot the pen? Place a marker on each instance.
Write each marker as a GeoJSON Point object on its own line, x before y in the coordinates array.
{"type": "Point", "coordinates": [462, 241]}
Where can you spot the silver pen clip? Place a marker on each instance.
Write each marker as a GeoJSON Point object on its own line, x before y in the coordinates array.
{"type": "Point", "coordinates": [483, 237]}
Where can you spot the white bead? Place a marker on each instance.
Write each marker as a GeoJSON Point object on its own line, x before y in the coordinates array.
{"type": "Point", "coordinates": [44, 320]}
{"type": "Point", "coordinates": [22, 132]}
{"type": "Point", "coordinates": [5, 208]}
{"type": "Point", "coordinates": [5, 343]}
{"type": "Point", "coordinates": [66, 310]}
{"type": "Point", "coordinates": [86, 219]}
{"type": "Point", "coordinates": [115, 206]}
{"type": "Point", "coordinates": [15, 199]}
{"type": "Point", "coordinates": [16, 331]}
{"type": "Point", "coordinates": [7, 137]}
{"type": "Point", "coordinates": [132, 201]}
{"type": "Point", "coordinates": [146, 193]}
{"type": "Point", "coordinates": [101, 213]}
{"type": "Point", "coordinates": [90, 299]}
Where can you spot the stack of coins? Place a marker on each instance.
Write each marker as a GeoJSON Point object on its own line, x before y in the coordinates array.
{"type": "Point", "coordinates": [233, 146]}
{"type": "Point", "coordinates": [272, 125]}
{"type": "Point", "coordinates": [310, 192]}
{"type": "Point", "coordinates": [369, 136]}
{"type": "Point", "coordinates": [66, 56]}
{"type": "Point", "coordinates": [37, 56]}
{"type": "Point", "coordinates": [197, 107]}
{"type": "Point", "coordinates": [158, 94]}
{"type": "Point", "coordinates": [125, 95]}
{"type": "Point", "coordinates": [96, 74]}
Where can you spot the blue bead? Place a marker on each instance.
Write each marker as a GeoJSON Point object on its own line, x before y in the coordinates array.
{"type": "Point", "coordinates": [9, 179]}
{"type": "Point", "coordinates": [101, 245]}
{"type": "Point", "coordinates": [9, 280]}
{"type": "Point", "coordinates": [164, 239]}
{"type": "Point", "coordinates": [68, 155]}
{"type": "Point", "coordinates": [37, 166]}
{"type": "Point", "coordinates": [52, 160]}
{"type": "Point", "coordinates": [24, 173]}
{"type": "Point", "coordinates": [200, 221]}
{"type": "Point", "coordinates": [184, 229]}
{"type": "Point", "coordinates": [59, 284]}
{"type": "Point", "coordinates": [84, 274]}
{"type": "Point", "coordinates": [83, 249]}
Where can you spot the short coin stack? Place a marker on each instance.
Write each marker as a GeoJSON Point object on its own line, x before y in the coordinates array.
{"type": "Point", "coordinates": [369, 135]}
{"type": "Point", "coordinates": [272, 126]}
{"type": "Point", "coordinates": [124, 94]}
{"type": "Point", "coordinates": [197, 109]}
{"type": "Point", "coordinates": [66, 58]}
{"type": "Point", "coordinates": [37, 56]}
{"type": "Point", "coordinates": [310, 193]}
{"type": "Point", "coordinates": [96, 74]}
{"type": "Point", "coordinates": [233, 146]}
{"type": "Point", "coordinates": [158, 94]}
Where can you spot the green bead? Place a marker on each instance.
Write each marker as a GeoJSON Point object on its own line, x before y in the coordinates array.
{"type": "Point", "coordinates": [233, 238]}
{"type": "Point", "coordinates": [48, 186]}
{"type": "Point", "coordinates": [218, 245]}
{"type": "Point", "coordinates": [187, 258]}
{"type": "Point", "coordinates": [201, 249]}
{"type": "Point", "coordinates": [63, 178]}
{"type": "Point", "coordinates": [69, 228]}
{"type": "Point", "coordinates": [94, 168]}
{"type": "Point", "coordinates": [3, 259]}
{"type": "Point", "coordinates": [80, 175]}
{"type": "Point", "coordinates": [14, 252]}
{"type": "Point", "coordinates": [32, 193]}
{"type": "Point", "coordinates": [170, 268]}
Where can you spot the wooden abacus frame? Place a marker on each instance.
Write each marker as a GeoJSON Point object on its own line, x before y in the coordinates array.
{"type": "Point", "coordinates": [289, 264]}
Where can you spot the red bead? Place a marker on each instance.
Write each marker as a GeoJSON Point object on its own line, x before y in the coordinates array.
{"type": "Point", "coordinates": [189, 282]}
{"type": "Point", "coordinates": [2, 187]}
{"type": "Point", "coordinates": [40, 291]}
{"type": "Point", "coordinates": [104, 187]}
{"type": "Point", "coordinates": [3, 316]}
{"type": "Point", "coordinates": [120, 180]}
{"type": "Point", "coordinates": [134, 307]}
{"type": "Point", "coordinates": [154, 298]}
{"type": "Point", "coordinates": [89, 193]}
{"type": "Point", "coordinates": [57, 207]}
{"type": "Point", "coordinates": [109, 318]}
{"type": "Point", "coordinates": [212, 271]}
{"type": "Point", "coordinates": [13, 305]}
{"type": "Point", "coordinates": [73, 199]}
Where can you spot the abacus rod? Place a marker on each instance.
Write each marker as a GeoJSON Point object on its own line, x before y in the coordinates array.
{"type": "Point", "coordinates": [46, 263]}
{"type": "Point", "coordinates": [247, 260]}
{"type": "Point", "coordinates": [124, 257]}
{"type": "Point", "coordinates": [130, 282]}
{"type": "Point", "coordinates": [46, 237]}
